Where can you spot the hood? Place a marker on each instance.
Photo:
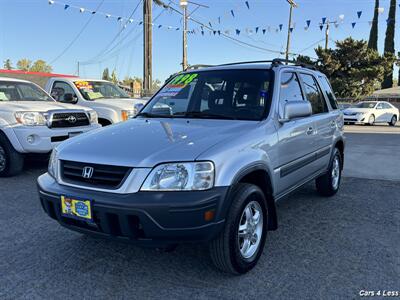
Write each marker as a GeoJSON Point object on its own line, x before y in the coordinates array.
{"type": "Point", "coordinates": [146, 143]}
{"type": "Point", "coordinates": [353, 110]}
{"type": "Point", "coordinates": [121, 104]}
{"type": "Point", "coordinates": [40, 106]}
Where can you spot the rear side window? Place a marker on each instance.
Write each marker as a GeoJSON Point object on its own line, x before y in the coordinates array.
{"type": "Point", "coordinates": [290, 89]}
{"type": "Point", "coordinates": [328, 90]}
{"type": "Point", "coordinates": [313, 94]}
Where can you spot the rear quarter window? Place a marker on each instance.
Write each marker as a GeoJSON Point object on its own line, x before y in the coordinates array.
{"type": "Point", "coordinates": [329, 92]}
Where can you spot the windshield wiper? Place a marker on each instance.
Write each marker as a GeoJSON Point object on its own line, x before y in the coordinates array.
{"type": "Point", "coordinates": [201, 115]}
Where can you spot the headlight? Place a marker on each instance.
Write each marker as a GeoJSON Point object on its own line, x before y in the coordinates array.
{"type": "Point", "coordinates": [93, 117]}
{"type": "Point", "coordinates": [53, 164]}
{"type": "Point", "coordinates": [127, 114]}
{"type": "Point", "coordinates": [180, 177]}
{"type": "Point", "coordinates": [31, 118]}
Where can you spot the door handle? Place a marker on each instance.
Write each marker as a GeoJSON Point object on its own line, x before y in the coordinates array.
{"type": "Point", "coordinates": [310, 131]}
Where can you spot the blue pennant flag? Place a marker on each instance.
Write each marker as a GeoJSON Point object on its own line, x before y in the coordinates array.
{"type": "Point", "coordinates": [308, 23]}
{"type": "Point", "coordinates": [247, 4]}
{"type": "Point", "coordinates": [177, 29]}
{"type": "Point", "coordinates": [141, 22]}
{"type": "Point", "coordinates": [291, 29]}
{"type": "Point", "coordinates": [359, 13]}
{"type": "Point", "coordinates": [323, 20]}
{"type": "Point", "coordinates": [210, 24]}
{"type": "Point", "coordinates": [280, 27]}
{"type": "Point", "coordinates": [119, 18]}
{"type": "Point", "coordinates": [237, 31]}
{"type": "Point", "coordinates": [321, 27]}
{"type": "Point", "coordinates": [233, 14]}
{"type": "Point", "coordinates": [215, 32]}
{"type": "Point", "coordinates": [202, 32]}
{"type": "Point", "coordinates": [353, 24]}
{"type": "Point", "coordinates": [257, 28]}
{"type": "Point", "coordinates": [66, 6]}
{"type": "Point", "coordinates": [93, 12]}
{"type": "Point", "coordinates": [264, 31]}
{"type": "Point", "coordinates": [219, 32]}
{"type": "Point", "coordinates": [159, 26]}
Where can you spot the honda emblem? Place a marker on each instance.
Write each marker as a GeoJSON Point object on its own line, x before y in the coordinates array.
{"type": "Point", "coordinates": [87, 172]}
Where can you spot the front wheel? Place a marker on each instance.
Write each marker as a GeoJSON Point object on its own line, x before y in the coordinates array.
{"type": "Point", "coordinates": [393, 121]}
{"type": "Point", "coordinates": [328, 184]}
{"type": "Point", "coordinates": [11, 162]}
{"type": "Point", "coordinates": [239, 246]}
{"type": "Point", "coordinates": [371, 120]}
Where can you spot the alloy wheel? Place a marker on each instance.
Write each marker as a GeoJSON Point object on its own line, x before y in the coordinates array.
{"type": "Point", "coordinates": [335, 173]}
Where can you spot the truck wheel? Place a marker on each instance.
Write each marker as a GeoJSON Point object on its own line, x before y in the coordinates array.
{"type": "Point", "coordinates": [328, 184]}
{"type": "Point", "coordinates": [239, 246]}
{"type": "Point", "coordinates": [11, 162]}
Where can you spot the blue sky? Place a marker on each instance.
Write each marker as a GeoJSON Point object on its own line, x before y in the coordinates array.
{"type": "Point", "coordinates": [36, 30]}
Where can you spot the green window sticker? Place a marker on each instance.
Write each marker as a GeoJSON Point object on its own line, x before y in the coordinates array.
{"type": "Point", "coordinates": [3, 97]}
{"type": "Point", "coordinates": [184, 79]}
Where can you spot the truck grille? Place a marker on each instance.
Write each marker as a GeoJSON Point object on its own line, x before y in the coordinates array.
{"type": "Point", "coordinates": [72, 119]}
{"type": "Point", "coordinates": [93, 175]}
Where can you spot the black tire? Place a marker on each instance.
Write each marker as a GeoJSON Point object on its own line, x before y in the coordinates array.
{"type": "Point", "coordinates": [325, 183]}
{"type": "Point", "coordinates": [225, 249]}
{"type": "Point", "coordinates": [393, 121]}
{"type": "Point", "coordinates": [13, 160]}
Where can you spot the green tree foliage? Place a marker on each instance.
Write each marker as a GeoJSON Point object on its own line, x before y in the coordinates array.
{"type": "Point", "coordinates": [389, 44]}
{"type": "Point", "coordinates": [41, 66]}
{"type": "Point", "coordinates": [24, 64]}
{"type": "Point", "coordinates": [106, 74]}
{"type": "Point", "coordinates": [114, 77]}
{"type": "Point", "coordinates": [7, 64]}
{"type": "Point", "coordinates": [354, 69]}
{"type": "Point", "coordinates": [373, 36]}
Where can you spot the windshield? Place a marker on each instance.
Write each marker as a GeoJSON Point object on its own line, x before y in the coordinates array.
{"type": "Point", "coordinates": [365, 105]}
{"type": "Point", "coordinates": [93, 90]}
{"type": "Point", "coordinates": [21, 91]}
{"type": "Point", "coordinates": [230, 94]}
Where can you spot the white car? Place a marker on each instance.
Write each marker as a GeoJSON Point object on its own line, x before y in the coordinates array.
{"type": "Point", "coordinates": [32, 122]}
{"type": "Point", "coordinates": [110, 102]}
{"type": "Point", "coordinates": [371, 112]}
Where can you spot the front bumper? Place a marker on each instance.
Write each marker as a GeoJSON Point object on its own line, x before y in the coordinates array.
{"type": "Point", "coordinates": [147, 218]}
{"type": "Point", "coordinates": [44, 138]}
{"type": "Point", "coordinates": [354, 119]}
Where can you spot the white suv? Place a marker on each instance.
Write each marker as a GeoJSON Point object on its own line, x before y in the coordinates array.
{"type": "Point", "coordinates": [32, 122]}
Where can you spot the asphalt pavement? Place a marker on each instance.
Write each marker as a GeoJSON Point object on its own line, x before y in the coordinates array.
{"type": "Point", "coordinates": [324, 248]}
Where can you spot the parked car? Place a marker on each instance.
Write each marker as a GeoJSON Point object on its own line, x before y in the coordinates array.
{"type": "Point", "coordinates": [111, 103]}
{"type": "Point", "coordinates": [371, 112]}
{"type": "Point", "coordinates": [344, 106]}
{"type": "Point", "coordinates": [32, 122]}
{"type": "Point", "coordinates": [208, 169]}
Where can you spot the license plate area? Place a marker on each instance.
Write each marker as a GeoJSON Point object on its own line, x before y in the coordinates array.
{"type": "Point", "coordinates": [76, 208]}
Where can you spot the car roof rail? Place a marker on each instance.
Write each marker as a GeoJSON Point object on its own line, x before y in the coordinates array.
{"type": "Point", "coordinates": [281, 61]}
{"type": "Point", "coordinates": [196, 67]}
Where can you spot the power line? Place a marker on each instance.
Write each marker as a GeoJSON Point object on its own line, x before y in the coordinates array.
{"type": "Point", "coordinates": [78, 35]}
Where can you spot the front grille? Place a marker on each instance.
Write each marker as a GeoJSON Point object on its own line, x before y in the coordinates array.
{"type": "Point", "coordinates": [72, 119]}
{"type": "Point", "coordinates": [101, 176]}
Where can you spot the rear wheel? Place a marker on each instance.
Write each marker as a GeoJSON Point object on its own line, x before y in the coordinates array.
{"type": "Point", "coordinates": [239, 246]}
{"type": "Point", "coordinates": [11, 162]}
{"type": "Point", "coordinates": [328, 184]}
{"type": "Point", "coordinates": [393, 121]}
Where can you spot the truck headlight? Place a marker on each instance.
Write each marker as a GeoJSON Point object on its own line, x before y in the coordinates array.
{"type": "Point", "coordinates": [93, 117]}
{"type": "Point", "coordinates": [53, 164]}
{"type": "Point", "coordinates": [196, 176]}
{"type": "Point", "coordinates": [31, 118]}
{"type": "Point", "coordinates": [127, 114]}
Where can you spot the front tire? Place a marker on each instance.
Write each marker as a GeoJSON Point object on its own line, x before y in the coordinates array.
{"type": "Point", "coordinates": [239, 246]}
{"type": "Point", "coordinates": [393, 121]}
{"type": "Point", "coordinates": [328, 184]}
{"type": "Point", "coordinates": [371, 120]}
{"type": "Point", "coordinates": [11, 161]}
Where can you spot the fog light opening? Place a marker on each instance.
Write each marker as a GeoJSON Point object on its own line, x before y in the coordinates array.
{"type": "Point", "coordinates": [30, 139]}
{"type": "Point", "coordinates": [209, 215]}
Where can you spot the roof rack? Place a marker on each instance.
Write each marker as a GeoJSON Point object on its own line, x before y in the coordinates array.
{"type": "Point", "coordinates": [281, 61]}
{"type": "Point", "coordinates": [196, 67]}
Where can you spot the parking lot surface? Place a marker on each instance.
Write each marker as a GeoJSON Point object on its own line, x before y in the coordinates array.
{"type": "Point", "coordinates": [324, 248]}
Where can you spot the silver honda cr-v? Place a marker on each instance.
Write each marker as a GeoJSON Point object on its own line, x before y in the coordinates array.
{"type": "Point", "coordinates": [204, 161]}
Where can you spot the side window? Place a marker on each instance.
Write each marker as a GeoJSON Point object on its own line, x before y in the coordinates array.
{"type": "Point", "coordinates": [60, 89]}
{"type": "Point", "coordinates": [379, 106]}
{"type": "Point", "coordinates": [328, 90]}
{"type": "Point", "coordinates": [313, 94]}
{"type": "Point", "coordinates": [387, 106]}
{"type": "Point", "coordinates": [290, 89]}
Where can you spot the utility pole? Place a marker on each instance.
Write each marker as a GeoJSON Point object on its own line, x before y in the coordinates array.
{"type": "Point", "coordinates": [148, 46]}
{"type": "Point", "coordinates": [327, 35]}
{"type": "Point", "coordinates": [78, 68]}
{"type": "Point", "coordinates": [292, 5]}
{"type": "Point", "coordinates": [184, 4]}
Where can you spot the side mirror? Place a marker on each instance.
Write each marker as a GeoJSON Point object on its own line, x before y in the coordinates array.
{"type": "Point", "coordinates": [296, 109]}
{"type": "Point", "coordinates": [69, 98]}
{"type": "Point", "coordinates": [138, 107]}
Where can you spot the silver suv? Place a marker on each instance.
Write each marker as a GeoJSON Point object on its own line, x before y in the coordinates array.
{"type": "Point", "coordinates": [204, 161]}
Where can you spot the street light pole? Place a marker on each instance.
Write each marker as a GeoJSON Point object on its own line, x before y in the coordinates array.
{"type": "Point", "coordinates": [292, 5]}
{"type": "Point", "coordinates": [184, 5]}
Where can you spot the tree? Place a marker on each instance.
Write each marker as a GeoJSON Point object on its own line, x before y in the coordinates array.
{"type": "Point", "coordinates": [114, 77]}
{"type": "Point", "coordinates": [389, 44]}
{"type": "Point", "coordinates": [106, 74]}
{"type": "Point", "coordinates": [373, 36]}
{"type": "Point", "coordinates": [41, 66]}
{"type": "Point", "coordinates": [24, 64]}
{"type": "Point", "coordinates": [353, 69]}
{"type": "Point", "coordinates": [7, 64]}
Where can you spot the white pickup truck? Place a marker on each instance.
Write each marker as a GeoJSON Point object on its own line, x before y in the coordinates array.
{"type": "Point", "coordinates": [32, 122]}
{"type": "Point", "coordinates": [110, 102]}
